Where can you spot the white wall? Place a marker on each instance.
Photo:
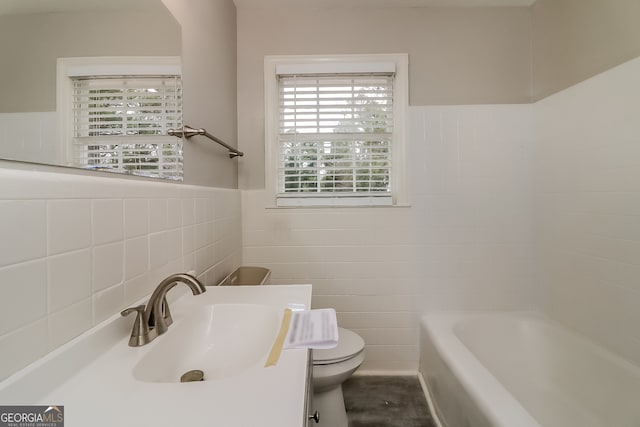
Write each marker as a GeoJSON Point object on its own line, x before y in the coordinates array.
{"type": "Point", "coordinates": [588, 207]}
{"type": "Point", "coordinates": [75, 250]}
{"type": "Point", "coordinates": [359, 261]}
{"type": "Point", "coordinates": [209, 90]}
{"type": "Point", "coordinates": [35, 41]}
{"type": "Point", "coordinates": [60, 273]}
{"type": "Point", "coordinates": [574, 40]}
{"type": "Point", "coordinates": [464, 243]}
{"type": "Point", "coordinates": [31, 137]}
{"type": "Point", "coordinates": [456, 56]}
{"type": "Point", "coordinates": [471, 214]}
{"type": "Point", "coordinates": [480, 234]}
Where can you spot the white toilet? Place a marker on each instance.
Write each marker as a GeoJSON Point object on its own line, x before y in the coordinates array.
{"type": "Point", "coordinates": [331, 368]}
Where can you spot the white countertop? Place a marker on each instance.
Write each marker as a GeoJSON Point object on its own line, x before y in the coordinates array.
{"type": "Point", "coordinates": [92, 376]}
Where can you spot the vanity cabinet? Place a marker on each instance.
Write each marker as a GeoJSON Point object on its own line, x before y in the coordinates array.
{"type": "Point", "coordinates": [311, 416]}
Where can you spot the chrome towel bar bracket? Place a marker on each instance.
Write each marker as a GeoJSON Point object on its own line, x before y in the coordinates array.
{"type": "Point", "coordinates": [188, 132]}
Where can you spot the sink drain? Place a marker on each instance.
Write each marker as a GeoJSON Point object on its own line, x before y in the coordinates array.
{"type": "Point", "coordinates": [191, 376]}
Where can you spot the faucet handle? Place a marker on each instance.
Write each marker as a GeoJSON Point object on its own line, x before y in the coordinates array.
{"type": "Point", "coordinates": [141, 333]}
{"type": "Point", "coordinates": [127, 311]}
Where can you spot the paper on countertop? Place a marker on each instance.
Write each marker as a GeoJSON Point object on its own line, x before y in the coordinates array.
{"type": "Point", "coordinates": [313, 329]}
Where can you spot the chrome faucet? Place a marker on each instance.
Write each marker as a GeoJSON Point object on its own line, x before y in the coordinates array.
{"type": "Point", "coordinates": [155, 319]}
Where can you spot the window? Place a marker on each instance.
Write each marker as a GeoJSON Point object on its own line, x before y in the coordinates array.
{"type": "Point", "coordinates": [334, 129]}
{"type": "Point", "coordinates": [118, 116]}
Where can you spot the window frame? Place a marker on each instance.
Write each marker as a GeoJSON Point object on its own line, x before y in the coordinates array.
{"type": "Point", "coordinates": [70, 68]}
{"type": "Point", "coordinates": [336, 64]}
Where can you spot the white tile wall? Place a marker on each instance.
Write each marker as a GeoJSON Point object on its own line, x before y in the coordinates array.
{"type": "Point", "coordinates": [23, 231]}
{"type": "Point", "coordinates": [107, 221]}
{"type": "Point", "coordinates": [68, 275]}
{"type": "Point", "coordinates": [464, 243]}
{"type": "Point", "coordinates": [472, 210]}
{"type": "Point", "coordinates": [136, 217]}
{"type": "Point", "coordinates": [68, 225]}
{"type": "Point", "coordinates": [75, 250]}
{"type": "Point", "coordinates": [26, 284]}
{"type": "Point", "coordinates": [108, 265]}
{"type": "Point", "coordinates": [588, 207]}
{"type": "Point", "coordinates": [136, 257]}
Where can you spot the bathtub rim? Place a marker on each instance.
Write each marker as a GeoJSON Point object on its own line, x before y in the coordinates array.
{"type": "Point", "coordinates": [440, 327]}
{"type": "Point", "coordinates": [469, 371]}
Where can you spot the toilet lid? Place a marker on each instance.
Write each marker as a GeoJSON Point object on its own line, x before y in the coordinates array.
{"type": "Point", "coordinates": [349, 344]}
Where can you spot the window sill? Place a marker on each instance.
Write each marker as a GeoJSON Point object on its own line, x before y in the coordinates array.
{"type": "Point", "coordinates": [332, 201]}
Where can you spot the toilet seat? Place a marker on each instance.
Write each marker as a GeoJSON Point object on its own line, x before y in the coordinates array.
{"type": "Point", "coordinates": [349, 345]}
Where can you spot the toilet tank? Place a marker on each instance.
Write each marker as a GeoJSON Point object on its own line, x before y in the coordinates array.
{"type": "Point", "coordinates": [246, 275]}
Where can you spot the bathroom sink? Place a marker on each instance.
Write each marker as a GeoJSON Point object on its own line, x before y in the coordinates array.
{"type": "Point", "coordinates": [221, 340]}
{"type": "Point", "coordinates": [227, 332]}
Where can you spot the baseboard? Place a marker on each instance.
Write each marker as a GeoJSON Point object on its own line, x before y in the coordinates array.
{"type": "Point", "coordinates": [385, 373]}
{"type": "Point", "coordinates": [427, 395]}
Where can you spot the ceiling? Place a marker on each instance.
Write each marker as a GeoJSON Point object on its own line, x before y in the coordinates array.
{"type": "Point", "coordinates": [385, 3]}
{"type": "Point", "coordinates": [10, 7]}
{"type": "Point", "coordinates": [14, 7]}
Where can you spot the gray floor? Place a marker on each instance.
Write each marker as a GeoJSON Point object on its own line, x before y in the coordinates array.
{"type": "Point", "coordinates": [386, 401]}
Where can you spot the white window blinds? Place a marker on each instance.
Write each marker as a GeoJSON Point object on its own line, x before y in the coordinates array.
{"type": "Point", "coordinates": [335, 134]}
{"type": "Point", "coordinates": [120, 123]}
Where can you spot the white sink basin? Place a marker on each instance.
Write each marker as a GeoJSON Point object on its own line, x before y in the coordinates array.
{"type": "Point", "coordinates": [222, 340]}
{"type": "Point", "coordinates": [226, 332]}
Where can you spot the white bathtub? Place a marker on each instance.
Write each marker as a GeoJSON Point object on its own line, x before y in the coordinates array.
{"type": "Point", "coordinates": [522, 370]}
